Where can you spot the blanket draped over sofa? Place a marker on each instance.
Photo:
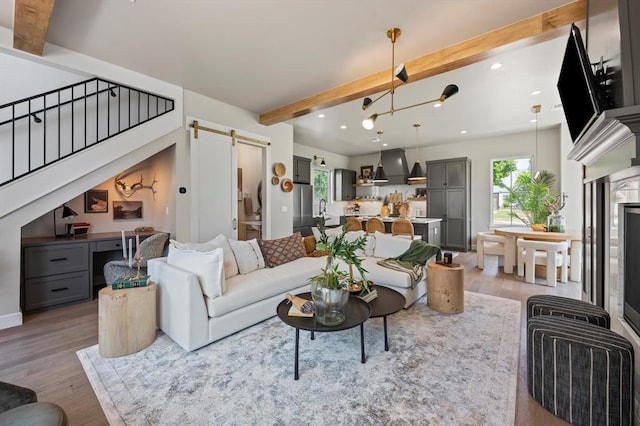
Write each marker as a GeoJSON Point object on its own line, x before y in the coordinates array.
{"type": "Point", "coordinates": [413, 260]}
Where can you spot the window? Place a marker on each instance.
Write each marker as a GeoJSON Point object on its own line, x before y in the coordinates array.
{"type": "Point", "coordinates": [504, 174]}
{"type": "Point", "coordinates": [321, 189]}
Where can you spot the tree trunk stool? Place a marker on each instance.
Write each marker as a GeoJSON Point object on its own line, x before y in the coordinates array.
{"type": "Point", "coordinates": [126, 320]}
{"type": "Point", "coordinates": [545, 304]}
{"type": "Point", "coordinates": [582, 373]}
{"type": "Point", "coordinates": [445, 288]}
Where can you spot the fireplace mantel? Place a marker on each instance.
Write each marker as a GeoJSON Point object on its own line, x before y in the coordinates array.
{"type": "Point", "coordinates": [613, 129]}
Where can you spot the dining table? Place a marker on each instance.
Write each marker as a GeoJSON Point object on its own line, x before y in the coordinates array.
{"type": "Point", "coordinates": [573, 237]}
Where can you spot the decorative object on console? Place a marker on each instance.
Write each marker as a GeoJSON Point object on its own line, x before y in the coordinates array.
{"type": "Point", "coordinates": [401, 73]}
{"type": "Point", "coordinates": [66, 213]}
{"type": "Point", "coordinates": [128, 190]}
{"type": "Point", "coordinates": [96, 201]}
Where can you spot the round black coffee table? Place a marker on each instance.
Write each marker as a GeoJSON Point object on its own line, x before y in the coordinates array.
{"type": "Point", "coordinates": [357, 312]}
{"type": "Point", "coordinates": [388, 302]}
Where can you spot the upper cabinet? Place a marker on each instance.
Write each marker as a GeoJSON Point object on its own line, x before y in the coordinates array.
{"type": "Point", "coordinates": [301, 170]}
{"type": "Point", "coordinates": [344, 181]}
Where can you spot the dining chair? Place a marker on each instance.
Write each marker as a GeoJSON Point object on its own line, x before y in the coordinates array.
{"type": "Point", "coordinates": [374, 224]}
{"type": "Point", "coordinates": [488, 243]}
{"type": "Point", "coordinates": [353, 224]}
{"type": "Point", "coordinates": [550, 254]}
{"type": "Point", "coordinates": [402, 226]}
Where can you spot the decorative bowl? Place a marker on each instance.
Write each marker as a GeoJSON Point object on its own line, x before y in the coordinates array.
{"type": "Point", "coordinates": [540, 227]}
{"type": "Point", "coordinates": [287, 185]}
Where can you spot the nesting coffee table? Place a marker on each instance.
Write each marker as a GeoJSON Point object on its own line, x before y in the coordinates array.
{"type": "Point", "coordinates": [357, 313]}
{"type": "Point", "coordinates": [388, 302]}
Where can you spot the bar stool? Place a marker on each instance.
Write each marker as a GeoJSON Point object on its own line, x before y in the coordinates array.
{"type": "Point", "coordinates": [353, 224]}
{"type": "Point", "coordinates": [374, 224]}
{"type": "Point", "coordinates": [551, 254]}
{"type": "Point", "coordinates": [402, 226]}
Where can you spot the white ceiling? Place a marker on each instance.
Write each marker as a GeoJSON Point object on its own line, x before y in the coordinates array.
{"type": "Point", "coordinates": [263, 54]}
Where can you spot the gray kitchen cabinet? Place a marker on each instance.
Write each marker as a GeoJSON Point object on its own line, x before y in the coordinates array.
{"type": "Point", "coordinates": [344, 181]}
{"type": "Point", "coordinates": [449, 198]}
{"type": "Point", "coordinates": [301, 170]}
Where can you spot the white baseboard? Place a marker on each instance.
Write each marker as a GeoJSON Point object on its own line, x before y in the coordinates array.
{"type": "Point", "coordinates": [10, 320]}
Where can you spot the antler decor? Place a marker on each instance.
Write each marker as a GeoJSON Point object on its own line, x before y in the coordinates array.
{"type": "Point", "coordinates": [129, 190]}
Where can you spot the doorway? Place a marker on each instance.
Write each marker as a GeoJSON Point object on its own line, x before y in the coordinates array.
{"type": "Point", "coordinates": [250, 187]}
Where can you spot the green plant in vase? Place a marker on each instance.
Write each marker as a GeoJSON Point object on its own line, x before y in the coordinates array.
{"type": "Point", "coordinates": [330, 288]}
{"type": "Point", "coordinates": [531, 197]}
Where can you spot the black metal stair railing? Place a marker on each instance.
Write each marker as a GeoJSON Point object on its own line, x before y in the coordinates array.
{"type": "Point", "coordinates": [40, 130]}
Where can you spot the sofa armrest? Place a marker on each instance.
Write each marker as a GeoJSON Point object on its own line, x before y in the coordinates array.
{"type": "Point", "coordinates": [182, 313]}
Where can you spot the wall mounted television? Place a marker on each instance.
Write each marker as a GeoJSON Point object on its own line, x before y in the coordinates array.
{"type": "Point", "coordinates": [577, 87]}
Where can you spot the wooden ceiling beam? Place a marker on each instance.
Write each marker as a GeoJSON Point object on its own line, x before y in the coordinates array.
{"type": "Point", "coordinates": [30, 24]}
{"type": "Point", "coordinates": [533, 30]}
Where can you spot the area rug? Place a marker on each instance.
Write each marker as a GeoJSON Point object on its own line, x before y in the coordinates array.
{"type": "Point", "coordinates": [440, 369]}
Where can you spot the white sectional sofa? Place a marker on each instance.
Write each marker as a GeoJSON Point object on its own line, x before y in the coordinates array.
{"type": "Point", "coordinates": [194, 315]}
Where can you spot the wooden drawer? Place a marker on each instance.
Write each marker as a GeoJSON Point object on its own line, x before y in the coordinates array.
{"type": "Point", "coordinates": [108, 245]}
{"type": "Point", "coordinates": [54, 290]}
{"type": "Point", "coordinates": [55, 259]}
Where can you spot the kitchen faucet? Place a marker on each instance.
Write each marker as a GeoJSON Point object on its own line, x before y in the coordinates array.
{"type": "Point", "coordinates": [323, 207]}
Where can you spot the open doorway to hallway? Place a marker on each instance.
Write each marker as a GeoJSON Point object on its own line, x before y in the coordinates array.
{"type": "Point", "coordinates": [250, 189]}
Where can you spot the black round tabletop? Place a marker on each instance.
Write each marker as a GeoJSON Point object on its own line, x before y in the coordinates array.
{"type": "Point", "coordinates": [357, 312]}
{"type": "Point", "coordinates": [388, 302]}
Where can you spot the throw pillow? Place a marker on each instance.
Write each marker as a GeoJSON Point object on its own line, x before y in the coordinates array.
{"type": "Point", "coordinates": [388, 246]}
{"type": "Point", "coordinates": [207, 266]}
{"type": "Point", "coordinates": [248, 255]}
{"type": "Point", "coordinates": [230, 266]}
{"type": "Point", "coordinates": [309, 244]}
{"type": "Point", "coordinates": [282, 250]}
{"type": "Point", "coordinates": [354, 235]}
{"type": "Point", "coordinates": [332, 233]}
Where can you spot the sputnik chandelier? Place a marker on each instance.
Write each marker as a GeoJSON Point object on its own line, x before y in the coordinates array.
{"type": "Point", "coordinates": [400, 73]}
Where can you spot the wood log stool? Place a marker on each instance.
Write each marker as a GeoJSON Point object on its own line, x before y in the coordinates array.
{"type": "Point", "coordinates": [126, 320]}
{"type": "Point", "coordinates": [445, 288]}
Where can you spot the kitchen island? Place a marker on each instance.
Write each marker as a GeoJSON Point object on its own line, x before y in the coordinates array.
{"type": "Point", "coordinates": [427, 227]}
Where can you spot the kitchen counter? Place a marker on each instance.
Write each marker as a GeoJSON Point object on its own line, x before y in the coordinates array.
{"type": "Point", "coordinates": [427, 227]}
{"type": "Point", "coordinates": [415, 220]}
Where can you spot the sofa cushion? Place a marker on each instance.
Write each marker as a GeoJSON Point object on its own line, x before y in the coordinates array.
{"type": "Point", "coordinates": [244, 290]}
{"type": "Point", "coordinates": [207, 266]}
{"type": "Point", "coordinates": [351, 236]}
{"type": "Point", "coordinates": [220, 241]}
{"type": "Point", "coordinates": [282, 250]}
{"type": "Point", "coordinates": [331, 233]}
{"type": "Point", "coordinates": [387, 246]}
{"type": "Point", "coordinates": [248, 255]}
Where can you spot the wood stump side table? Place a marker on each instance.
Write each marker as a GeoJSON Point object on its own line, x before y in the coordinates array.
{"type": "Point", "coordinates": [445, 288]}
{"type": "Point", "coordinates": [126, 320]}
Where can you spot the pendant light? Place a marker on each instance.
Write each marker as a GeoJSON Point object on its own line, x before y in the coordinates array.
{"type": "Point", "coordinates": [380, 176]}
{"type": "Point", "coordinates": [417, 175]}
{"type": "Point", "coordinates": [536, 109]}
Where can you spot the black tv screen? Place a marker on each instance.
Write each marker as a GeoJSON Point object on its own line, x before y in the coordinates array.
{"type": "Point", "coordinates": [577, 87]}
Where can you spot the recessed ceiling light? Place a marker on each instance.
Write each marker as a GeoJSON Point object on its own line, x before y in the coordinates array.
{"type": "Point", "coordinates": [536, 92]}
{"type": "Point", "coordinates": [437, 105]}
{"type": "Point", "coordinates": [464, 132]}
{"type": "Point", "coordinates": [375, 139]}
{"type": "Point", "coordinates": [385, 144]}
{"type": "Point", "coordinates": [344, 126]}
{"type": "Point", "coordinates": [320, 115]}
{"type": "Point", "coordinates": [533, 120]}
{"type": "Point", "coordinates": [496, 66]}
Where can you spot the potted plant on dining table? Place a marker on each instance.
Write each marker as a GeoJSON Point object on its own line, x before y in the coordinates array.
{"type": "Point", "coordinates": [331, 288]}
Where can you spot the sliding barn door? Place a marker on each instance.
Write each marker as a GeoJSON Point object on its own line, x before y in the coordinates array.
{"type": "Point", "coordinates": [214, 206]}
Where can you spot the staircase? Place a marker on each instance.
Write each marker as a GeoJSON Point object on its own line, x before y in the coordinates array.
{"type": "Point", "coordinates": [41, 130]}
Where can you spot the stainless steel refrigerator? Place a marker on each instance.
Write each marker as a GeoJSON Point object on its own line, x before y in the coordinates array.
{"type": "Point", "coordinates": [302, 208]}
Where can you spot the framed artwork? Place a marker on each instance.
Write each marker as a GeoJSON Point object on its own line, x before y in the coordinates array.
{"type": "Point", "coordinates": [366, 172]}
{"type": "Point", "coordinates": [123, 210]}
{"type": "Point", "coordinates": [96, 201]}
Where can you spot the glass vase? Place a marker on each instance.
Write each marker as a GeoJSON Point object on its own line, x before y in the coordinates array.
{"type": "Point", "coordinates": [556, 222]}
{"type": "Point", "coordinates": [330, 304]}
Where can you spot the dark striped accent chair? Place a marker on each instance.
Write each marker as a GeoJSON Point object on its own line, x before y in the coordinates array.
{"type": "Point", "coordinates": [580, 372]}
{"type": "Point", "coordinates": [545, 304]}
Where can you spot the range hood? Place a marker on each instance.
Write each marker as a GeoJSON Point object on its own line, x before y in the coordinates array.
{"type": "Point", "coordinates": [395, 166]}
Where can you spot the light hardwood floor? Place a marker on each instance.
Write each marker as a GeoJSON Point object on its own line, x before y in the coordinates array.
{"type": "Point", "coordinates": [40, 354]}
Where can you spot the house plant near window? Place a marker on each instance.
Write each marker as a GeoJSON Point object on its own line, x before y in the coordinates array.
{"type": "Point", "coordinates": [532, 197]}
{"type": "Point", "coordinates": [330, 288]}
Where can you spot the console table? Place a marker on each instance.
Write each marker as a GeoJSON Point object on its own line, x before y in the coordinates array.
{"type": "Point", "coordinates": [58, 271]}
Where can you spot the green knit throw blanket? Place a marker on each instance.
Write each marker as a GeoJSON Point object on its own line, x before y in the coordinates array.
{"type": "Point", "coordinates": [413, 260]}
